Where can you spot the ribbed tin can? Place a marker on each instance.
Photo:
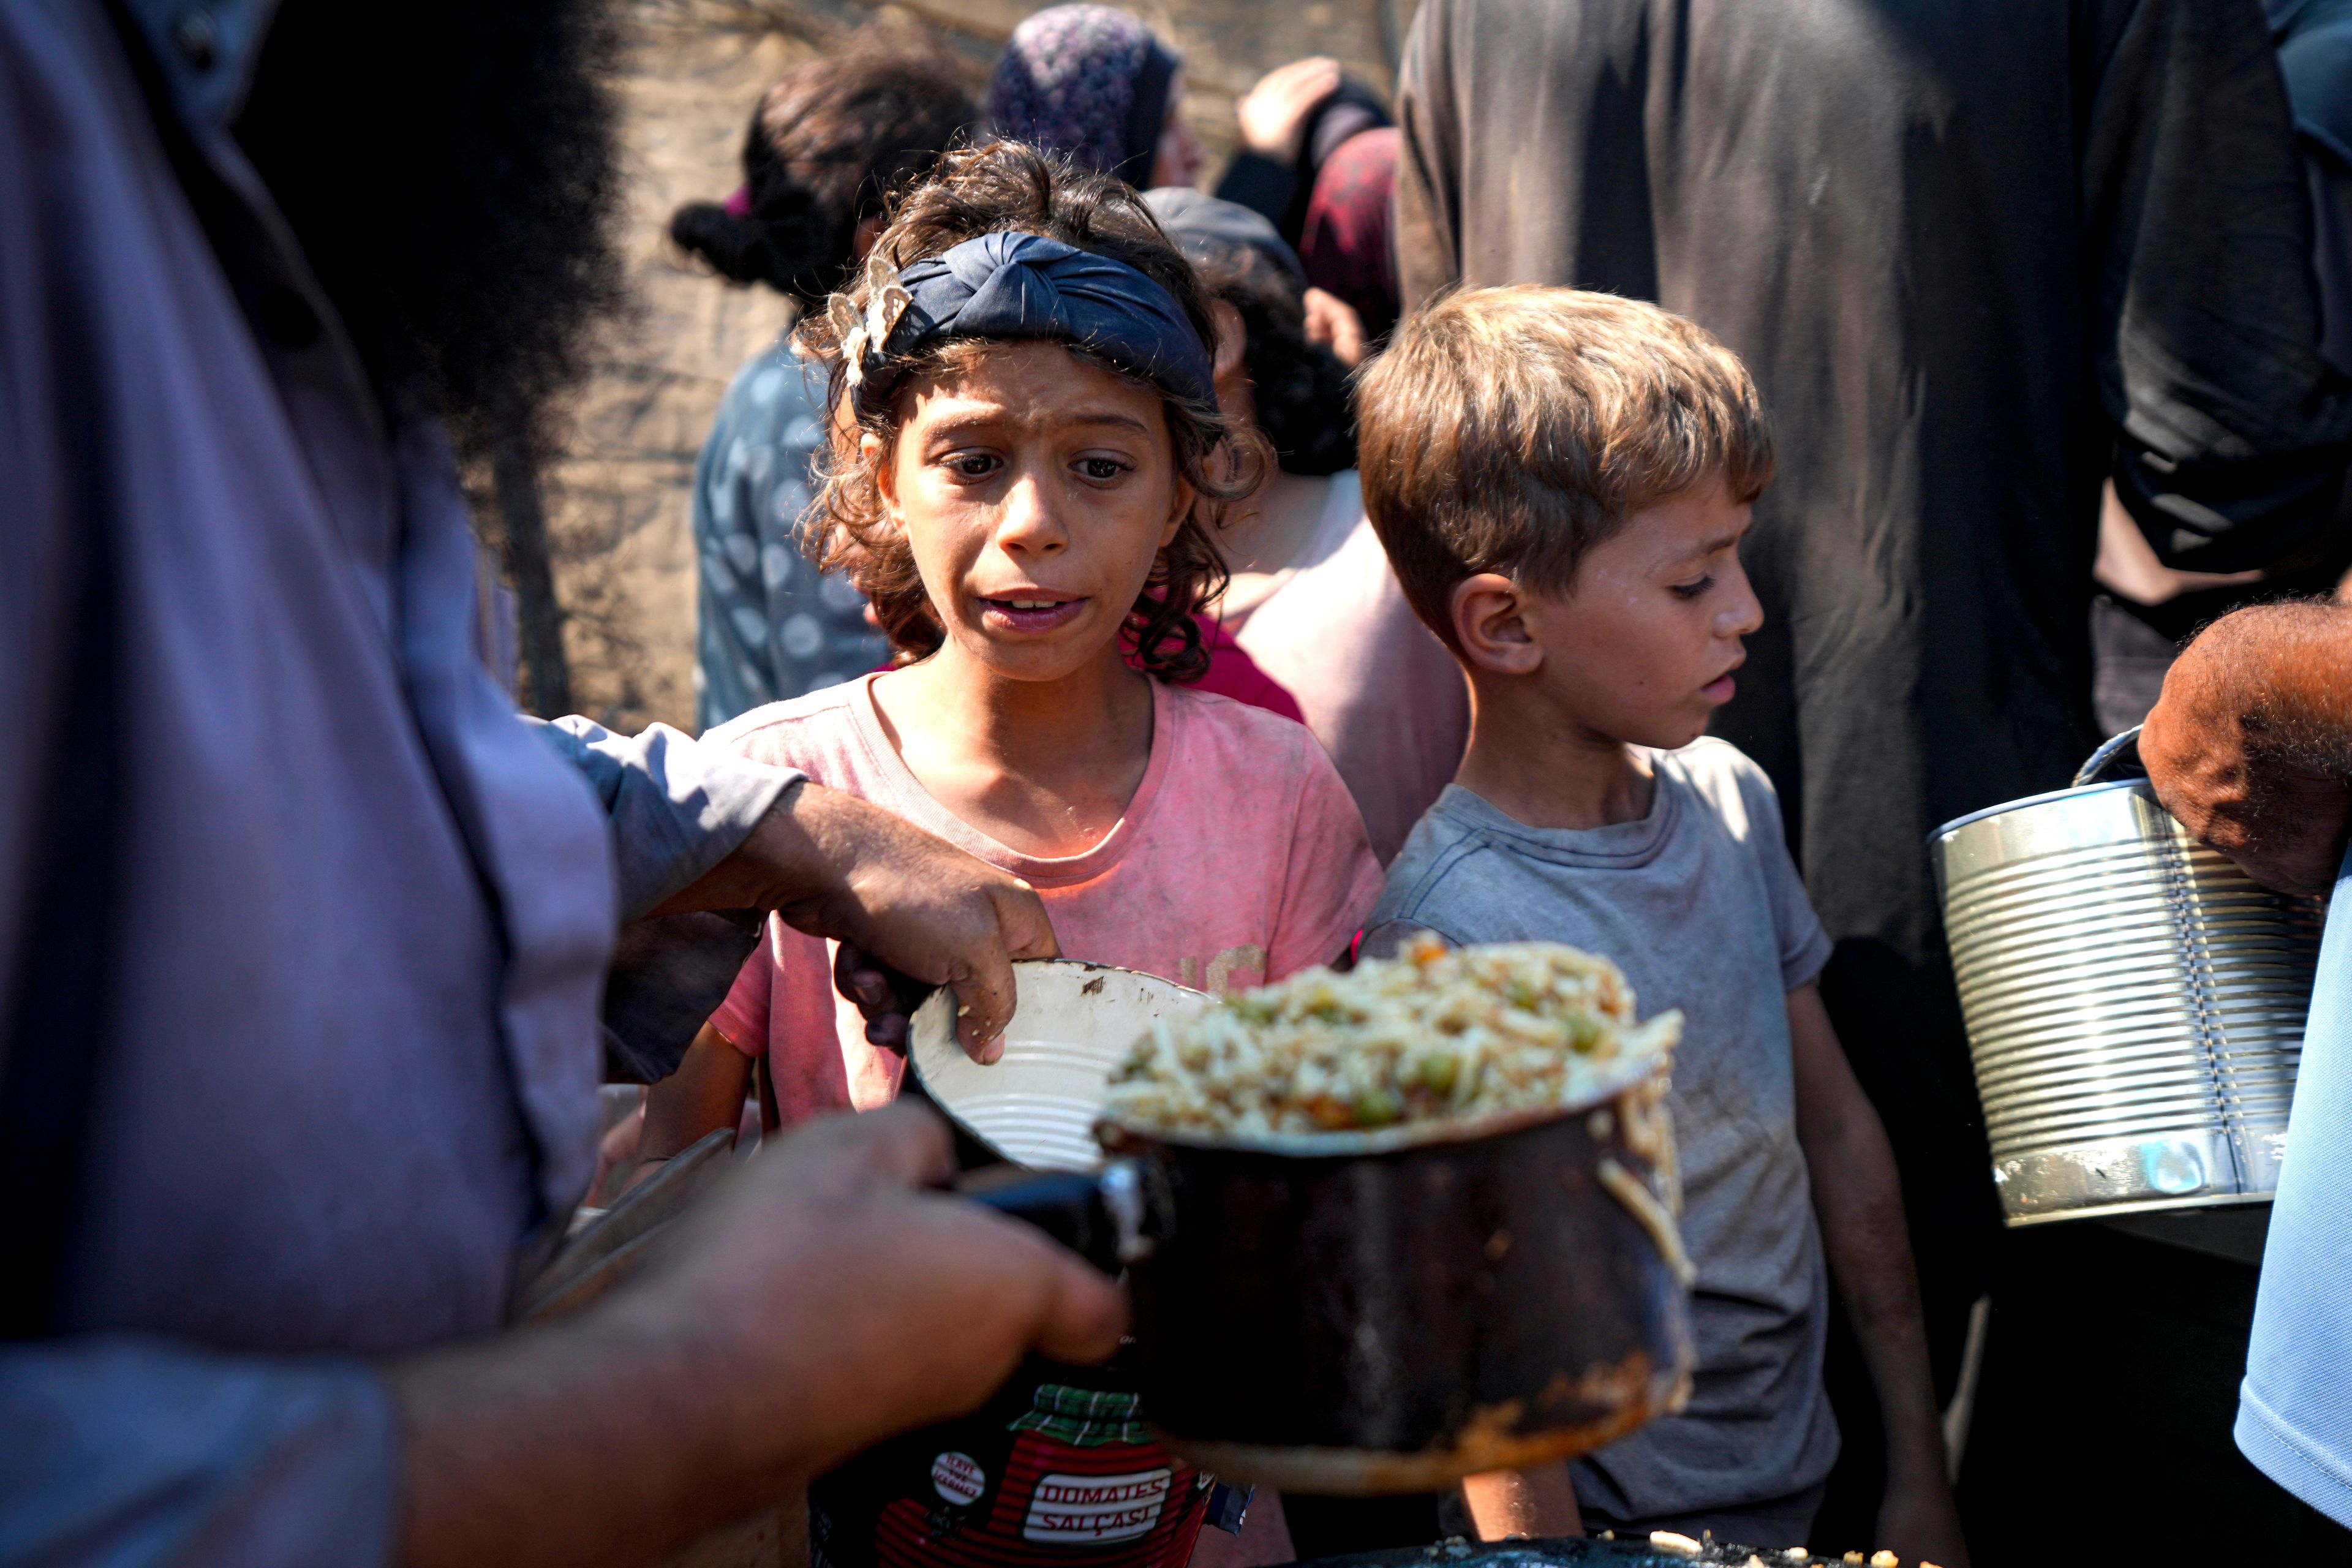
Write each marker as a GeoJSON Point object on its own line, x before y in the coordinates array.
{"type": "Point", "coordinates": [2135, 1003]}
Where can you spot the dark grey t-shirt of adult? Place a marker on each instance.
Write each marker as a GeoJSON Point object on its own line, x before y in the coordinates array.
{"type": "Point", "coordinates": [1700, 905]}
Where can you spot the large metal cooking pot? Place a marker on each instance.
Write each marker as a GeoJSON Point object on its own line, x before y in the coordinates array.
{"type": "Point", "coordinates": [2134, 1003]}
{"type": "Point", "coordinates": [1358, 1313]}
{"type": "Point", "coordinates": [1369, 1312]}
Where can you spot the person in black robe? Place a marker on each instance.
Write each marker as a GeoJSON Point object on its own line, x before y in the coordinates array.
{"type": "Point", "coordinates": [2139, 623]}
{"type": "Point", "coordinates": [1981, 256]}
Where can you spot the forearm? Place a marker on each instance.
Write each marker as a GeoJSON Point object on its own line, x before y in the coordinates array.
{"type": "Point", "coordinates": [705, 1094]}
{"type": "Point", "coordinates": [792, 860]}
{"type": "Point", "coordinates": [606, 1440]}
{"type": "Point", "coordinates": [678, 808]}
{"type": "Point", "coordinates": [814, 1303]}
{"type": "Point", "coordinates": [1858, 1198]}
{"type": "Point", "coordinates": [835, 866]}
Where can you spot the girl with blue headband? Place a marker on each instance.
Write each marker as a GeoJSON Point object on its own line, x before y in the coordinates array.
{"type": "Point", "coordinates": [1028, 470]}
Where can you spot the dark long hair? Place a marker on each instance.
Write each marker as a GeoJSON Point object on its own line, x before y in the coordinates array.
{"type": "Point", "coordinates": [450, 173]}
{"type": "Point", "coordinates": [829, 143]}
{"type": "Point", "coordinates": [1010, 187]}
{"type": "Point", "coordinates": [1299, 387]}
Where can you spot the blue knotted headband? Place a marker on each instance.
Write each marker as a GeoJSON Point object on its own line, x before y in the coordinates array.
{"type": "Point", "coordinates": [1021, 286]}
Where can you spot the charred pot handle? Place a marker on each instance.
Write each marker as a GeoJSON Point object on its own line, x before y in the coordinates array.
{"type": "Point", "coordinates": [2118, 759]}
{"type": "Point", "coordinates": [1101, 1217]}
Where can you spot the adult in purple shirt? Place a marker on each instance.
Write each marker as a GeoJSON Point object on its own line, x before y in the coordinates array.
{"type": "Point", "coordinates": [302, 930]}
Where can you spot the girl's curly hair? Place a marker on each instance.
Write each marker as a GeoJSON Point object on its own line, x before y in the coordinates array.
{"type": "Point", "coordinates": [1011, 187]}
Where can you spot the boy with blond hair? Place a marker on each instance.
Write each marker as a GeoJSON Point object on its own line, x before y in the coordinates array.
{"type": "Point", "coordinates": [1562, 480]}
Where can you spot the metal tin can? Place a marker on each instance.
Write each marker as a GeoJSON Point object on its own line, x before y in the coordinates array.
{"type": "Point", "coordinates": [2135, 1003]}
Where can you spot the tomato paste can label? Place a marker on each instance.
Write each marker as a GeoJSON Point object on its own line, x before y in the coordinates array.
{"type": "Point", "coordinates": [1070, 1509]}
{"type": "Point", "coordinates": [958, 1477]}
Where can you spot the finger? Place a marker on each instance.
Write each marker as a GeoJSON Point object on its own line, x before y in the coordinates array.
{"type": "Point", "coordinates": [1085, 1316]}
{"type": "Point", "coordinates": [888, 1030]}
{"type": "Point", "coordinates": [859, 981]}
{"type": "Point", "coordinates": [1028, 929]}
{"type": "Point", "coordinates": [1311, 86]}
{"type": "Point", "coordinates": [1352, 333]}
{"type": "Point", "coordinates": [878, 991]}
{"type": "Point", "coordinates": [985, 999]}
{"type": "Point", "coordinates": [1274, 79]}
{"type": "Point", "coordinates": [1081, 1316]}
{"type": "Point", "coordinates": [870, 989]}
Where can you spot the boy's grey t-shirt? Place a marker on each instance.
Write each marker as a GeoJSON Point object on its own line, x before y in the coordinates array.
{"type": "Point", "coordinates": [1700, 906]}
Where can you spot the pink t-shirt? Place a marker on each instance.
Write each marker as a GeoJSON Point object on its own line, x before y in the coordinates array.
{"type": "Point", "coordinates": [1240, 859]}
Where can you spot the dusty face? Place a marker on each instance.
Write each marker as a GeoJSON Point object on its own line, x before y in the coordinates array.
{"type": "Point", "coordinates": [1034, 489]}
{"type": "Point", "coordinates": [1641, 649]}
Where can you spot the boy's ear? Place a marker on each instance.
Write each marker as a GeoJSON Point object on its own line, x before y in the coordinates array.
{"type": "Point", "coordinates": [1490, 623]}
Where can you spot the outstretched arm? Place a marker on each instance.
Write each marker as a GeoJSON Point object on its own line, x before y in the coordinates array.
{"type": "Point", "coordinates": [696, 827]}
{"type": "Point", "coordinates": [833, 866]}
{"type": "Point", "coordinates": [821, 1302]}
{"type": "Point", "coordinates": [1859, 1200]}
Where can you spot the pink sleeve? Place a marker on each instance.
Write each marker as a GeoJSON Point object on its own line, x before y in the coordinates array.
{"type": "Point", "coordinates": [1332, 882]}
{"type": "Point", "coordinates": [743, 1020]}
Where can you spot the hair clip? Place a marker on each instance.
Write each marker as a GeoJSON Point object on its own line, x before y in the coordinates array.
{"type": "Point", "coordinates": [883, 309]}
{"type": "Point", "coordinates": [849, 332]}
{"type": "Point", "coordinates": [869, 335]}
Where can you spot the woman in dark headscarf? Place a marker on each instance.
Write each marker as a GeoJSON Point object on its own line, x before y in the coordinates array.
{"type": "Point", "coordinates": [829, 140]}
{"type": "Point", "coordinates": [1096, 86]}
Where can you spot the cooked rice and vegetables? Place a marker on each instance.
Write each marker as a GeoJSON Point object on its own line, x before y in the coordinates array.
{"type": "Point", "coordinates": [1431, 1035]}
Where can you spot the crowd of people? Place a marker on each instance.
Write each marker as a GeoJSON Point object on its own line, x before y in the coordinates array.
{"type": "Point", "coordinates": [1626, 490]}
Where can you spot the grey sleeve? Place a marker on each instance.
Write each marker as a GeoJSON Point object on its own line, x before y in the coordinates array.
{"type": "Point", "coordinates": [1804, 945]}
{"type": "Point", "coordinates": [120, 1453]}
{"type": "Point", "coordinates": [2231, 426]}
{"type": "Point", "coordinates": [678, 807]}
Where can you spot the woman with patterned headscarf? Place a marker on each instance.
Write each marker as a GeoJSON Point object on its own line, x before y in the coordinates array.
{"type": "Point", "coordinates": [1096, 86]}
